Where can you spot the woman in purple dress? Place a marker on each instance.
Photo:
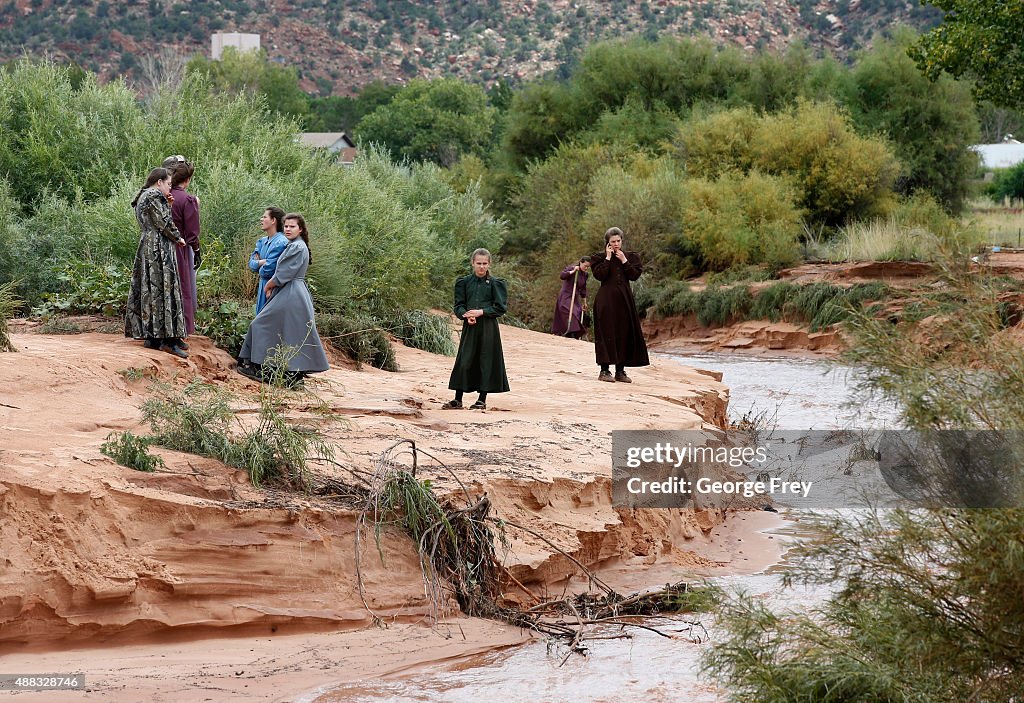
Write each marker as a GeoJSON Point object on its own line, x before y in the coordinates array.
{"type": "Point", "coordinates": [572, 300]}
{"type": "Point", "coordinates": [184, 211]}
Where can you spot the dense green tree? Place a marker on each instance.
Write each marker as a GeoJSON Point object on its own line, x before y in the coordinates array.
{"type": "Point", "coordinates": [1009, 184]}
{"type": "Point", "coordinates": [634, 125]}
{"type": "Point", "coordinates": [62, 131]}
{"type": "Point", "coordinates": [540, 117]}
{"type": "Point", "coordinates": [438, 121]}
{"type": "Point", "coordinates": [929, 123]}
{"type": "Point", "coordinates": [254, 72]}
{"type": "Point", "coordinates": [979, 39]}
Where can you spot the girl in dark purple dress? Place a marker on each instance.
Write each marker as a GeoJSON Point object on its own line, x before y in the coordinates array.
{"type": "Point", "coordinates": [572, 300]}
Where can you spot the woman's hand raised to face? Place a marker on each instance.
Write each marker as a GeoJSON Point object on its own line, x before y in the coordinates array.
{"type": "Point", "coordinates": [620, 255]}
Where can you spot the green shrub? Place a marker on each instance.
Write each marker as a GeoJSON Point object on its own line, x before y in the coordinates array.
{"type": "Point", "coordinates": [711, 146]}
{"type": "Point", "coordinates": [132, 451]}
{"type": "Point", "coordinates": [199, 420]}
{"type": "Point", "coordinates": [12, 242]}
{"type": "Point", "coordinates": [740, 220]}
{"type": "Point", "coordinates": [360, 337]}
{"type": "Point", "coordinates": [195, 419]}
{"type": "Point", "coordinates": [1008, 183]}
{"type": "Point", "coordinates": [835, 174]}
{"type": "Point", "coordinates": [225, 323]}
{"type": "Point", "coordinates": [87, 288]}
{"type": "Point", "coordinates": [719, 306]}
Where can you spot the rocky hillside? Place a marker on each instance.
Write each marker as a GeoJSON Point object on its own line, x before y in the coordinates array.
{"type": "Point", "coordinates": [339, 45]}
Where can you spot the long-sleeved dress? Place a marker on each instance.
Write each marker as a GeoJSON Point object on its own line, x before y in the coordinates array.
{"type": "Point", "coordinates": [287, 318]}
{"type": "Point", "coordinates": [268, 249]}
{"type": "Point", "coordinates": [154, 301]}
{"type": "Point", "coordinates": [564, 324]}
{"type": "Point", "coordinates": [618, 338]}
{"type": "Point", "coordinates": [185, 213]}
{"type": "Point", "coordinates": [480, 364]}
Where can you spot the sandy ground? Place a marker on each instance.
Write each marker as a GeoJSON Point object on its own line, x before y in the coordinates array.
{"type": "Point", "coordinates": [271, 667]}
{"type": "Point", "coordinates": [188, 584]}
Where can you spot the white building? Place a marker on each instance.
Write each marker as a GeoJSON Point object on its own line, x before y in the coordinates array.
{"type": "Point", "coordinates": [1006, 154]}
{"type": "Point", "coordinates": [237, 40]}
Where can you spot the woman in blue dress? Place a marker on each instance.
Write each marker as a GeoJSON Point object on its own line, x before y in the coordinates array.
{"type": "Point", "coordinates": [268, 250]}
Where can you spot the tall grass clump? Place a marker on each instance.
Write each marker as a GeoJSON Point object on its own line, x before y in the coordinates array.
{"type": "Point", "coordinates": [669, 299]}
{"type": "Point", "coordinates": [721, 305]}
{"type": "Point", "coordinates": [922, 603]}
{"type": "Point", "coordinates": [824, 304]}
{"type": "Point", "coordinates": [9, 304]}
{"type": "Point", "coordinates": [425, 330]}
{"type": "Point", "coordinates": [770, 302]}
{"type": "Point", "coordinates": [918, 229]}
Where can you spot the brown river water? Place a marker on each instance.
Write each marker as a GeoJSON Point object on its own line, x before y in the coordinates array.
{"type": "Point", "coordinates": [797, 394]}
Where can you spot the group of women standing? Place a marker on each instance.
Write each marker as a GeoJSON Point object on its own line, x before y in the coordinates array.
{"type": "Point", "coordinates": [282, 340]}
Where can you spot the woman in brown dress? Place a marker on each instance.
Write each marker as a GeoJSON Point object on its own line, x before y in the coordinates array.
{"type": "Point", "coordinates": [618, 338]}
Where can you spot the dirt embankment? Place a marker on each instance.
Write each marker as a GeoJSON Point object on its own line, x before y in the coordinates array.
{"type": "Point", "coordinates": [96, 553]}
{"type": "Point", "coordinates": [684, 334]}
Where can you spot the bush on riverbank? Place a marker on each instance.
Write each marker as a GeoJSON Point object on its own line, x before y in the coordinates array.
{"type": "Point", "coordinates": [817, 305]}
{"type": "Point", "coordinates": [924, 603]}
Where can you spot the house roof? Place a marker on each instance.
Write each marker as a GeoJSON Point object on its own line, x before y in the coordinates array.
{"type": "Point", "coordinates": [327, 140]}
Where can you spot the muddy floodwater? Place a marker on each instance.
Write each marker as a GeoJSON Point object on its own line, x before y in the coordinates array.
{"type": "Point", "coordinates": [794, 394]}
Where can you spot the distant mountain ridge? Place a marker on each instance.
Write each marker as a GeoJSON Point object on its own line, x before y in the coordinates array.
{"type": "Point", "coordinates": [339, 45]}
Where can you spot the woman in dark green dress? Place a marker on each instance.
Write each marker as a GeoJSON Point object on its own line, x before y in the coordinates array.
{"type": "Point", "coordinates": [480, 300]}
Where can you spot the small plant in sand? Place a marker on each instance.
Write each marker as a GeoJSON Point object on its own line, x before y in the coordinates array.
{"type": "Point", "coordinates": [134, 373]}
{"type": "Point", "coordinates": [132, 451]}
{"type": "Point", "coordinates": [59, 325]}
{"type": "Point", "coordinates": [9, 304]}
{"type": "Point", "coordinates": [200, 419]}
